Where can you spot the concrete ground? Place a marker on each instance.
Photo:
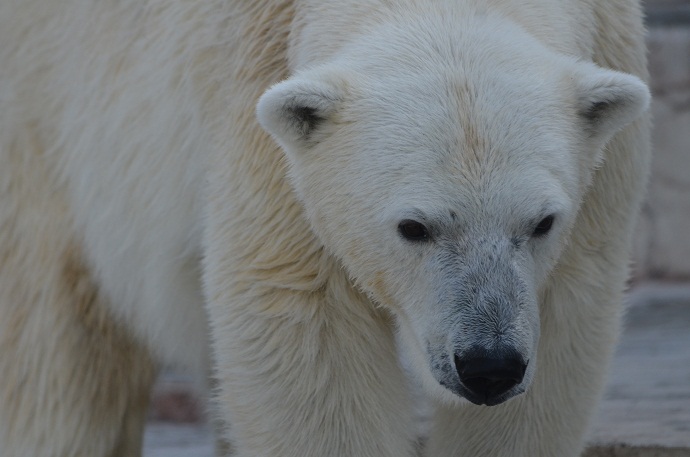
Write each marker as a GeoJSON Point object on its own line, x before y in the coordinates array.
{"type": "Point", "coordinates": [646, 411]}
{"type": "Point", "coordinates": [166, 439]}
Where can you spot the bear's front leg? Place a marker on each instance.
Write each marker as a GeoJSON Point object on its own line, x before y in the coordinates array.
{"type": "Point", "coordinates": [579, 330]}
{"type": "Point", "coordinates": [309, 373]}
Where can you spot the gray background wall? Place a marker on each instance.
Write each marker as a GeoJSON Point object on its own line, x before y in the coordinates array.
{"type": "Point", "coordinates": [662, 243]}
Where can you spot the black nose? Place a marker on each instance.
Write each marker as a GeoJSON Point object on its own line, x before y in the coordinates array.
{"type": "Point", "coordinates": [489, 376]}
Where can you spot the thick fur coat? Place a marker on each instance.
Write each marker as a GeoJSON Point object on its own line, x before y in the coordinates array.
{"type": "Point", "coordinates": [284, 195]}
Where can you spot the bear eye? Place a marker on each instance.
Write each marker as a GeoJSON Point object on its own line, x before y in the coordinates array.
{"type": "Point", "coordinates": [544, 226]}
{"type": "Point", "coordinates": [413, 230]}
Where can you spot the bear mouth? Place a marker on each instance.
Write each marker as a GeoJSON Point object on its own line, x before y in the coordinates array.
{"type": "Point", "coordinates": [487, 398]}
{"type": "Point", "coordinates": [492, 400]}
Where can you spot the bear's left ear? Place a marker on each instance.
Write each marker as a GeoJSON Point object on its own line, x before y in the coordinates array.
{"type": "Point", "coordinates": [296, 111]}
{"type": "Point", "coordinates": [609, 100]}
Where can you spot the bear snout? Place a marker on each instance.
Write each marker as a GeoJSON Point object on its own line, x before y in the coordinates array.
{"type": "Point", "coordinates": [488, 376]}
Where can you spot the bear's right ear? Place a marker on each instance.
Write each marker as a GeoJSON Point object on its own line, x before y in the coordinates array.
{"type": "Point", "coordinates": [296, 111]}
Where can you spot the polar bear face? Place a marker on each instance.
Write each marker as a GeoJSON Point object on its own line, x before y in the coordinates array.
{"type": "Point", "coordinates": [445, 173]}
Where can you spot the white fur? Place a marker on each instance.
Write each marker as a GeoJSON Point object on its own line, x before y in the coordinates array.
{"type": "Point", "coordinates": [127, 129]}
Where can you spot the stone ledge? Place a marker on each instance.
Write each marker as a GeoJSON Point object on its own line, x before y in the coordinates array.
{"type": "Point", "coordinates": [195, 440]}
{"type": "Point", "coordinates": [623, 450]}
{"type": "Point", "coordinates": [647, 401]}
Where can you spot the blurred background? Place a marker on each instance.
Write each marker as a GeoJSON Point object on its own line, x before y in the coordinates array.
{"type": "Point", "coordinates": [646, 411]}
{"type": "Point", "coordinates": [662, 246]}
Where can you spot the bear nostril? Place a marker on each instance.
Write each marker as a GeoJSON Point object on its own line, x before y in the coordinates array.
{"type": "Point", "coordinates": [489, 377]}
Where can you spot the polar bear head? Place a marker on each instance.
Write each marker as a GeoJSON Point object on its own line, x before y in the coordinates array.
{"type": "Point", "coordinates": [444, 165]}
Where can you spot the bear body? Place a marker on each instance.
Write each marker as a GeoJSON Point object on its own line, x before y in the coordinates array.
{"type": "Point", "coordinates": [283, 195]}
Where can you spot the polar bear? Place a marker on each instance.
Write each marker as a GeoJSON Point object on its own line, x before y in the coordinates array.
{"type": "Point", "coordinates": [283, 195]}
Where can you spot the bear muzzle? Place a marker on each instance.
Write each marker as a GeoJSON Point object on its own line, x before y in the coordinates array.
{"type": "Point", "coordinates": [488, 378]}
